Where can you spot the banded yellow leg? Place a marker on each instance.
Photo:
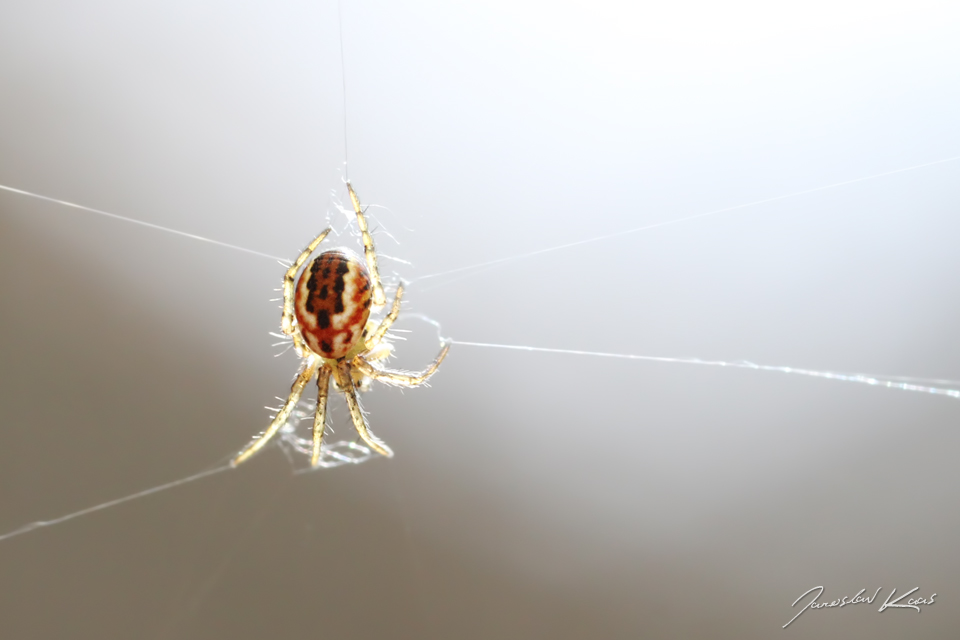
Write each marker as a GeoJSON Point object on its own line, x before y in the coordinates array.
{"type": "Point", "coordinates": [320, 419]}
{"type": "Point", "coordinates": [381, 331]}
{"type": "Point", "coordinates": [307, 371]}
{"type": "Point", "coordinates": [345, 382]}
{"type": "Point", "coordinates": [368, 251]}
{"type": "Point", "coordinates": [289, 281]}
{"type": "Point", "coordinates": [397, 378]}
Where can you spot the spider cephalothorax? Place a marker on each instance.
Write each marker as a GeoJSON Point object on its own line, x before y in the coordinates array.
{"type": "Point", "coordinates": [327, 316]}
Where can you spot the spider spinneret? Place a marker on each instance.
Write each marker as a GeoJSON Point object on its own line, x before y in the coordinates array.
{"type": "Point", "coordinates": [326, 313]}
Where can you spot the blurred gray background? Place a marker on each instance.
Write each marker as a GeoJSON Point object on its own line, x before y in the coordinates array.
{"type": "Point", "coordinates": [533, 495]}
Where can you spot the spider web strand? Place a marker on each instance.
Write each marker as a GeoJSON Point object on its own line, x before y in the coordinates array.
{"type": "Point", "coordinates": [112, 503]}
{"type": "Point", "coordinates": [889, 382]}
{"type": "Point", "coordinates": [149, 225]}
{"type": "Point", "coordinates": [498, 261]}
{"type": "Point", "coordinates": [666, 223]}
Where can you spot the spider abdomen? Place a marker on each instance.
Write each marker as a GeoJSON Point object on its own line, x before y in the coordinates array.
{"type": "Point", "coordinates": [333, 303]}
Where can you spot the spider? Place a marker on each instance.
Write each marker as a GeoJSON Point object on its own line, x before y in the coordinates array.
{"type": "Point", "coordinates": [326, 313]}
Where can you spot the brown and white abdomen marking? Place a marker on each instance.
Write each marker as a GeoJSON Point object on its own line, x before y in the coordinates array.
{"type": "Point", "coordinates": [333, 303]}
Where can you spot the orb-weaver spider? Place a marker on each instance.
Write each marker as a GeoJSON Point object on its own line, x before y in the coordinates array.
{"type": "Point", "coordinates": [327, 316]}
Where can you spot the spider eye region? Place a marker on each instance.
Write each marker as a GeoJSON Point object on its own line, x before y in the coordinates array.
{"type": "Point", "coordinates": [332, 303]}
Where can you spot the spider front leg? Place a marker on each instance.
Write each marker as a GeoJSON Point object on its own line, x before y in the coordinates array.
{"type": "Point", "coordinates": [368, 251]}
{"type": "Point", "coordinates": [307, 371]}
{"type": "Point", "coordinates": [345, 382]}
{"type": "Point", "coordinates": [290, 280]}
{"type": "Point", "coordinates": [398, 378]}
{"type": "Point", "coordinates": [381, 331]}
{"type": "Point", "coordinates": [320, 419]}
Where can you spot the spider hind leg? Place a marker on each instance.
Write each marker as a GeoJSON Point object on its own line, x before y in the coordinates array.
{"type": "Point", "coordinates": [320, 418]}
{"type": "Point", "coordinates": [307, 371]}
{"type": "Point", "coordinates": [344, 376]}
{"type": "Point", "coordinates": [399, 378]}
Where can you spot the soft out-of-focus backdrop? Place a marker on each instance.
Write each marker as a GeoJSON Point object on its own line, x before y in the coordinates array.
{"type": "Point", "coordinates": [533, 495]}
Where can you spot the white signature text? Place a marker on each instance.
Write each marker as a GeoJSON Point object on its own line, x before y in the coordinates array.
{"type": "Point", "coordinates": [889, 603]}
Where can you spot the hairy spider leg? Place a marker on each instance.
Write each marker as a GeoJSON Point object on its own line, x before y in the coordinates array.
{"type": "Point", "coordinates": [345, 382]}
{"type": "Point", "coordinates": [307, 371]}
{"type": "Point", "coordinates": [289, 282]}
{"type": "Point", "coordinates": [320, 418]}
{"type": "Point", "coordinates": [397, 378]}
{"type": "Point", "coordinates": [381, 331]}
{"type": "Point", "coordinates": [379, 299]}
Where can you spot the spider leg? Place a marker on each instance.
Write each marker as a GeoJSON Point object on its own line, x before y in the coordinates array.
{"type": "Point", "coordinates": [379, 299]}
{"type": "Point", "coordinates": [289, 280]}
{"type": "Point", "coordinates": [307, 371]}
{"type": "Point", "coordinates": [298, 344]}
{"type": "Point", "coordinates": [396, 377]}
{"type": "Point", "coordinates": [385, 324]}
{"type": "Point", "coordinates": [345, 382]}
{"type": "Point", "coordinates": [320, 419]}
